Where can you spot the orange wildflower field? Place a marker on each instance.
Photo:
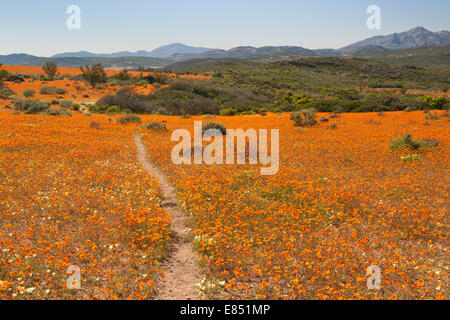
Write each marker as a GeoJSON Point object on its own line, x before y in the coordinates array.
{"type": "Point", "coordinates": [341, 202]}
{"type": "Point", "coordinates": [72, 194]}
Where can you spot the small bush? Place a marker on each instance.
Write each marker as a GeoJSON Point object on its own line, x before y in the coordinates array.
{"type": "Point", "coordinates": [113, 110]}
{"type": "Point", "coordinates": [95, 125]}
{"type": "Point", "coordinates": [60, 91]}
{"type": "Point", "coordinates": [156, 126]}
{"type": "Point", "coordinates": [3, 76]}
{"type": "Point", "coordinates": [407, 142]}
{"type": "Point", "coordinates": [28, 93]}
{"type": "Point", "coordinates": [432, 116]}
{"type": "Point", "coordinates": [94, 108]}
{"type": "Point", "coordinates": [333, 126]}
{"type": "Point", "coordinates": [50, 69]}
{"type": "Point", "coordinates": [47, 90]}
{"type": "Point", "coordinates": [304, 118]}
{"type": "Point", "coordinates": [214, 125]}
{"type": "Point", "coordinates": [94, 75]}
{"type": "Point", "coordinates": [31, 106]}
{"type": "Point", "coordinates": [6, 93]}
{"type": "Point", "coordinates": [227, 112]}
{"type": "Point", "coordinates": [66, 103]}
{"type": "Point", "coordinates": [130, 118]}
{"type": "Point", "coordinates": [56, 112]}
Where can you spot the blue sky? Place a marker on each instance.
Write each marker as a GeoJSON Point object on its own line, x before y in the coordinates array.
{"type": "Point", "coordinates": [39, 27]}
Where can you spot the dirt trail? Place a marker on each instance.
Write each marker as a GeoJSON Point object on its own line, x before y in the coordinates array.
{"type": "Point", "coordinates": [182, 272]}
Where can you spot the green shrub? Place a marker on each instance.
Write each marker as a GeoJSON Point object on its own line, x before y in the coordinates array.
{"type": "Point", "coordinates": [47, 90]}
{"type": "Point", "coordinates": [94, 108]}
{"type": "Point", "coordinates": [432, 116]}
{"type": "Point", "coordinates": [130, 118]}
{"type": "Point", "coordinates": [304, 118]}
{"type": "Point", "coordinates": [438, 103]}
{"type": "Point", "coordinates": [6, 93]}
{"type": "Point", "coordinates": [227, 112]}
{"type": "Point", "coordinates": [66, 103]}
{"type": "Point", "coordinates": [56, 112]}
{"type": "Point", "coordinates": [156, 126]}
{"type": "Point", "coordinates": [214, 125]}
{"type": "Point", "coordinates": [31, 106]}
{"type": "Point", "coordinates": [60, 91]}
{"type": "Point", "coordinates": [29, 93]}
{"type": "Point", "coordinates": [95, 125]}
{"type": "Point", "coordinates": [50, 69]}
{"type": "Point", "coordinates": [113, 110]}
{"type": "Point", "coordinates": [3, 76]}
{"type": "Point", "coordinates": [94, 75]}
{"type": "Point", "coordinates": [407, 142]}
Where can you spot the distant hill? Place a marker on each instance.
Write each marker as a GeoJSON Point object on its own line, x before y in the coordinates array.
{"type": "Point", "coordinates": [17, 59]}
{"type": "Point", "coordinates": [176, 48]}
{"type": "Point", "coordinates": [436, 57]}
{"type": "Point", "coordinates": [161, 52]}
{"type": "Point", "coordinates": [417, 37]}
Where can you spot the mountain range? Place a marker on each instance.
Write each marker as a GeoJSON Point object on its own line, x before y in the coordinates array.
{"type": "Point", "coordinates": [165, 55]}
{"type": "Point", "coordinates": [161, 52]}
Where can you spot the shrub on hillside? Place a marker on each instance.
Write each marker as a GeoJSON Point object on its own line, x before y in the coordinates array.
{"type": "Point", "coordinates": [29, 93]}
{"type": "Point", "coordinates": [113, 110]}
{"type": "Point", "coordinates": [60, 91]}
{"type": "Point", "coordinates": [407, 142]}
{"type": "Point", "coordinates": [155, 126]}
{"type": "Point", "coordinates": [31, 106]}
{"type": "Point", "coordinates": [125, 98]}
{"type": "Point", "coordinates": [66, 103]}
{"type": "Point", "coordinates": [227, 112]}
{"type": "Point", "coordinates": [129, 119]}
{"type": "Point", "coordinates": [6, 93]}
{"type": "Point", "coordinates": [47, 90]}
{"type": "Point", "coordinates": [3, 76]}
{"type": "Point", "coordinates": [216, 126]}
{"type": "Point", "coordinates": [94, 75]}
{"type": "Point", "coordinates": [432, 116]}
{"type": "Point", "coordinates": [304, 118]}
{"type": "Point", "coordinates": [50, 69]}
{"type": "Point", "coordinates": [56, 112]}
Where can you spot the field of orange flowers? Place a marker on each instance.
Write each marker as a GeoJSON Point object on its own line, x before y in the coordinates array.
{"type": "Point", "coordinates": [77, 90]}
{"type": "Point", "coordinates": [341, 202]}
{"type": "Point", "coordinates": [72, 194]}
